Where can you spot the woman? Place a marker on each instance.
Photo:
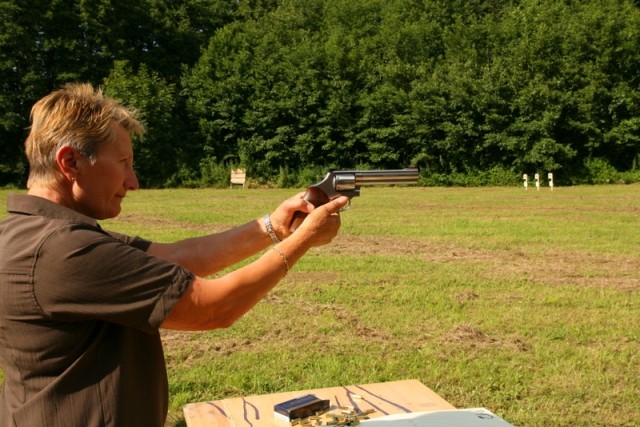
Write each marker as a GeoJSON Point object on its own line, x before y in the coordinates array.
{"type": "Point", "coordinates": [81, 307]}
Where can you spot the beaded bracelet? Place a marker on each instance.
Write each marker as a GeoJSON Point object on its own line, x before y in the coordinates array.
{"type": "Point", "coordinates": [284, 258]}
{"type": "Point", "coordinates": [269, 228]}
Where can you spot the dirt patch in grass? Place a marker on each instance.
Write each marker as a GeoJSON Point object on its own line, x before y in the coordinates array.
{"type": "Point", "coordinates": [550, 268]}
{"type": "Point", "coordinates": [145, 221]}
{"type": "Point", "coordinates": [470, 337]}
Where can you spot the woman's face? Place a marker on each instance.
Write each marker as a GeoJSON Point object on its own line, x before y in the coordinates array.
{"type": "Point", "coordinates": [100, 187]}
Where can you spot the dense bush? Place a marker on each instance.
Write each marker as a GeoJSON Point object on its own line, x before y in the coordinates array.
{"type": "Point", "coordinates": [474, 92]}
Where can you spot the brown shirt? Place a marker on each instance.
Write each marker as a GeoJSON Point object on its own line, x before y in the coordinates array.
{"type": "Point", "coordinates": [80, 310]}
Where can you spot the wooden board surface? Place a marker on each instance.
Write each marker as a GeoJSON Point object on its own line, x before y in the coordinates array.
{"type": "Point", "coordinates": [257, 411]}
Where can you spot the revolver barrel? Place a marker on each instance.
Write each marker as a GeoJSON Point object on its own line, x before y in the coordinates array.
{"type": "Point", "coordinates": [382, 177]}
{"type": "Point", "coordinates": [348, 182]}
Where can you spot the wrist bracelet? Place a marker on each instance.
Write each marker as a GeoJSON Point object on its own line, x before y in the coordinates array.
{"type": "Point", "coordinates": [269, 228]}
{"type": "Point", "coordinates": [284, 258]}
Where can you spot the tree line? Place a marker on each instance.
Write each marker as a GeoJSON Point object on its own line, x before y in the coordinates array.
{"type": "Point", "coordinates": [470, 91]}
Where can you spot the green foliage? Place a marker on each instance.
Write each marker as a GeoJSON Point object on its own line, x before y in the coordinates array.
{"type": "Point", "coordinates": [45, 44]}
{"type": "Point", "coordinates": [213, 174]}
{"type": "Point", "coordinates": [496, 176]}
{"type": "Point", "coordinates": [157, 154]}
{"type": "Point", "coordinates": [462, 87]}
{"type": "Point", "coordinates": [599, 171]}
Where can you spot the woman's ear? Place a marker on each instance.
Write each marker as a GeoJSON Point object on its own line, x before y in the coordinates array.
{"type": "Point", "coordinates": [67, 159]}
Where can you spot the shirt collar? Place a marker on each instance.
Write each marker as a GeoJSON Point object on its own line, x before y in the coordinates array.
{"type": "Point", "coordinates": [33, 205]}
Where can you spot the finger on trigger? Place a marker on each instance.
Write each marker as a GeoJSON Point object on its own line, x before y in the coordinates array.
{"type": "Point", "coordinates": [339, 202]}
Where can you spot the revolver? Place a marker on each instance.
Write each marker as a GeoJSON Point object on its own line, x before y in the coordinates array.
{"type": "Point", "coordinates": [348, 183]}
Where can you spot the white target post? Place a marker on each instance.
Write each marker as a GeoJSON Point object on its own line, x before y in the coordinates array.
{"type": "Point", "coordinates": [537, 176]}
{"type": "Point", "coordinates": [525, 177]}
{"type": "Point", "coordinates": [550, 176]}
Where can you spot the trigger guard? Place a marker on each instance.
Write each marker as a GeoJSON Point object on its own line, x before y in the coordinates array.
{"type": "Point", "coordinates": [346, 207]}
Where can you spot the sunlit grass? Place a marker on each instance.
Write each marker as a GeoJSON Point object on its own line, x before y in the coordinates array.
{"type": "Point", "coordinates": [523, 302]}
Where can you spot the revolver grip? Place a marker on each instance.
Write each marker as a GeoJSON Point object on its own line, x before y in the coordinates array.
{"type": "Point", "coordinates": [316, 197]}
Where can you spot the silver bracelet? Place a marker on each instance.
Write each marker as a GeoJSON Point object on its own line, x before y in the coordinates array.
{"type": "Point", "coordinates": [269, 228]}
{"type": "Point", "coordinates": [284, 258]}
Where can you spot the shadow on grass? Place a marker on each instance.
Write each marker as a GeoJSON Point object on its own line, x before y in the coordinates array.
{"type": "Point", "coordinates": [175, 421]}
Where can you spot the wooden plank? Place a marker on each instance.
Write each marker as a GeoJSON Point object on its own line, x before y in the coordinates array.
{"type": "Point", "coordinates": [257, 411]}
{"type": "Point", "coordinates": [238, 176]}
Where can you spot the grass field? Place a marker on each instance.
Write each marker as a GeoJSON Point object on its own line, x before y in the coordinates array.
{"type": "Point", "coordinates": [524, 302]}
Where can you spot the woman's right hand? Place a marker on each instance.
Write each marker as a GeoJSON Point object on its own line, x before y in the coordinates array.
{"type": "Point", "coordinates": [322, 224]}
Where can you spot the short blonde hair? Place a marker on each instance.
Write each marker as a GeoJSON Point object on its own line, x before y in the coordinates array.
{"type": "Point", "coordinates": [79, 116]}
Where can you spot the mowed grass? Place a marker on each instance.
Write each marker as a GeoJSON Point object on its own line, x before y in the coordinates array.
{"type": "Point", "coordinates": [524, 302]}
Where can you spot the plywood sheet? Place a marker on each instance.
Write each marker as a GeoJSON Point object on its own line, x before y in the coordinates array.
{"type": "Point", "coordinates": [386, 398]}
